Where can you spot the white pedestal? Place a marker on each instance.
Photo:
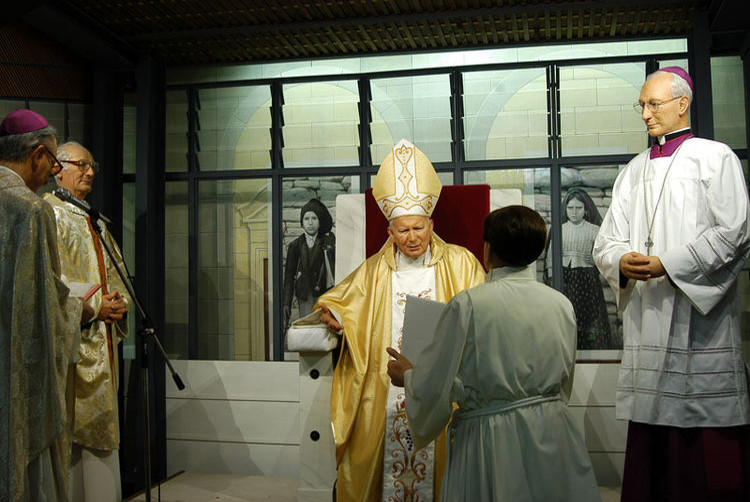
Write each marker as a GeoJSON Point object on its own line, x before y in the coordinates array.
{"type": "Point", "coordinates": [317, 449]}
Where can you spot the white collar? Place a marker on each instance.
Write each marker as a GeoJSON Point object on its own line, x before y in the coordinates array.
{"type": "Point", "coordinates": [403, 262]}
{"type": "Point", "coordinates": [663, 139]}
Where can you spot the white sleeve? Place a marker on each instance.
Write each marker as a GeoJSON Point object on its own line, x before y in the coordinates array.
{"type": "Point", "coordinates": [613, 239]}
{"type": "Point", "coordinates": [428, 385]}
{"type": "Point", "coordinates": [706, 267]}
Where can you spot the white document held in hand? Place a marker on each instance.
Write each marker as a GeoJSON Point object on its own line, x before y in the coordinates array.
{"type": "Point", "coordinates": [83, 290]}
{"type": "Point", "coordinates": [420, 321]}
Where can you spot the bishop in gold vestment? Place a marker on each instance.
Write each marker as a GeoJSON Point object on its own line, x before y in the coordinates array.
{"type": "Point", "coordinates": [368, 417]}
{"type": "Point", "coordinates": [39, 321]}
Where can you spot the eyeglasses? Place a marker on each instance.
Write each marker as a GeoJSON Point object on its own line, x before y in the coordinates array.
{"type": "Point", "coordinates": [57, 166]}
{"type": "Point", "coordinates": [84, 165]}
{"type": "Point", "coordinates": [653, 106]}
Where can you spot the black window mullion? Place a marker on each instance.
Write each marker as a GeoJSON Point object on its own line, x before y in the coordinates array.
{"type": "Point", "coordinates": [193, 221]}
{"type": "Point", "coordinates": [555, 151]}
{"type": "Point", "coordinates": [277, 166]}
{"type": "Point", "coordinates": [458, 154]}
{"type": "Point", "coordinates": [365, 120]}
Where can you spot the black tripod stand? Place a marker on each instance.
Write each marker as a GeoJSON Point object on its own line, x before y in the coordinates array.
{"type": "Point", "coordinates": [147, 333]}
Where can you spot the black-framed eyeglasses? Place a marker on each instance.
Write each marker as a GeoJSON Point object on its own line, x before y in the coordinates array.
{"type": "Point", "coordinates": [84, 165]}
{"type": "Point", "coordinates": [653, 106]}
{"type": "Point", "coordinates": [57, 166]}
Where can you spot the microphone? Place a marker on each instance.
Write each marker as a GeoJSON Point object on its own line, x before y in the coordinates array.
{"type": "Point", "coordinates": [64, 194]}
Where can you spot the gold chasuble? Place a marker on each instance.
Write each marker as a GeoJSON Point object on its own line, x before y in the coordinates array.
{"type": "Point", "coordinates": [83, 259]}
{"type": "Point", "coordinates": [360, 385]}
{"type": "Point", "coordinates": [39, 327]}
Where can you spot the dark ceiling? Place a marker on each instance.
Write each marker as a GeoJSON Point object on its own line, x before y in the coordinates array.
{"type": "Point", "coordinates": [199, 32]}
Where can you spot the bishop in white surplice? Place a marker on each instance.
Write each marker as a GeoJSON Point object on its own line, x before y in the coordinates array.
{"type": "Point", "coordinates": [671, 246]}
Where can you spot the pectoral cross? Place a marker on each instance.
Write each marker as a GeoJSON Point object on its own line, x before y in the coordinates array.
{"type": "Point", "coordinates": [648, 245]}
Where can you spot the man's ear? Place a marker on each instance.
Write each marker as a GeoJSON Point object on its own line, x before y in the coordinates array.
{"type": "Point", "coordinates": [684, 105]}
{"type": "Point", "coordinates": [37, 154]}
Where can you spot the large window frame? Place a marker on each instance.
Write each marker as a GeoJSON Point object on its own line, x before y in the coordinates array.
{"type": "Point", "coordinates": [555, 160]}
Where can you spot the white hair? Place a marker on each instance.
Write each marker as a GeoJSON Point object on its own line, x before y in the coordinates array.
{"type": "Point", "coordinates": [62, 150]}
{"type": "Point", "coordinates": [680, 87]}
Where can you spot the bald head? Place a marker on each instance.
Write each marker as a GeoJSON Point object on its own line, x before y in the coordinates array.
{"type": "Point", "coordinates": [663, 111]}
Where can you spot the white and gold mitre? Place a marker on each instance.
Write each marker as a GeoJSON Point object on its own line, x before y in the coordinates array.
{"type": "Point", "coordinates": [406, 183]}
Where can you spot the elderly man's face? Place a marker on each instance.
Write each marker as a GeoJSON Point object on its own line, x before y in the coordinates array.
{"type": "Point", "coordinates": [671, 114]}
{"type": "Point", "coordinates": [78, 175]}
{"type": "Point", "coordinates": [411, 234]}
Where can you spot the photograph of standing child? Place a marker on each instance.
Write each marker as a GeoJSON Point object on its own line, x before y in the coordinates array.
{"type": "Point", "coordinates": [310, 260]}
{"type": "Point", "coordinates": [581, 279]}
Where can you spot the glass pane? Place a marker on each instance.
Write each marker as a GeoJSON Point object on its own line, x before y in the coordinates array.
{"type": "Point", "coordinates": [597, 115]}
{"type": "Point", "coordinates": [53, 112]}
{"type": "Point", "coordinates": [176, 271]}
{"type": "Point", "coordinates": [9, 105]}
{"type": "Point", "coordinates": [421, 60]}
{"type": "Point", "coordinates": [505, 114]}
{"type": "Point", "coordinates": [586, 196]}
{"type": "Point", "coordinates": [235, 128]}
{"type": "Point", "coordinates": [583, 206]}
{"type": "Point", "coordinates": [309, 235]}
{"type": "Point", "coordinates": [321, 124]}
{"type": "Point", "coordinates": [412, 108]}
{"type": "Point", "coordinates": [529, 187]}
{"type": "Point", "coordinates": [128, 135]}
{"type": "Point", "coordinates": [728, 90]}
{"type": "Point", "coordinates": [744, 289]}
{"type": "Point", "coordinates": [235, 282]}
{"type": "Point", "coordinates": [681, 62]}
{"type": "Point", "coordinates": [176, 146]}
{"type": "Point", "coordinates": [128, 254]}
{"type": "Point", "coordinates": [533, 187]}
{"type": "Point", "coordinates": [77, 122]}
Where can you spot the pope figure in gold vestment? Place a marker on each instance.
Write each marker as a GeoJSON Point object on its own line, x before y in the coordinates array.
{"type": "Point", "coordinates": [375, 457]}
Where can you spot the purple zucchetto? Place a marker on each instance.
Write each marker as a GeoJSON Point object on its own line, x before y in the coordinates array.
{"type": "Point", "coordinates": [22, 121]}
{"type": "Point", "coordinates": [676, 70]}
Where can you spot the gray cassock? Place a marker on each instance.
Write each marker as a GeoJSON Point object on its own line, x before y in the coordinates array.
{"type": "Point", "coordinates": [682, 361]}
{"type": "Point", "coordinates": [505, 352]}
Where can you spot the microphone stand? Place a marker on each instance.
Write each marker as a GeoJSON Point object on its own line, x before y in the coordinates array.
{"type": "Point", "coordinates": [148, 333]}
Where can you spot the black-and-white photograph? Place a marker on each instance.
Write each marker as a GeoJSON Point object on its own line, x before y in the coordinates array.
{"type": "Point", "coordinates": [309, 255]}
{"type": "Point", "coordinates": [582, 282]}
